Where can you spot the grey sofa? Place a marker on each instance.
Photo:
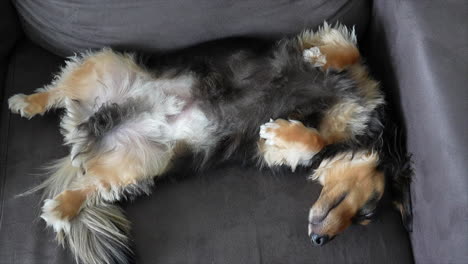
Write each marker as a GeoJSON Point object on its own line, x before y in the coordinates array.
{"type": "Point", "coordinates": [234, 213]}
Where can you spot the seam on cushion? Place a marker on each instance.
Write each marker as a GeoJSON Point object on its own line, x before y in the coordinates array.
{"type": "Point", "coordinates": [9, 81]}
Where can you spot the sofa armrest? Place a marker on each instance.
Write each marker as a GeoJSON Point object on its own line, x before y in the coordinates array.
{"type": "Point", "coordinates": [10, 31]}
{"type": "Point", "coordinates": [419, 49]}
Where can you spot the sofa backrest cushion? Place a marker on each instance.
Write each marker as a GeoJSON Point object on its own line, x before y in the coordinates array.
{"type": "Point", "coordinates": [68, 26]}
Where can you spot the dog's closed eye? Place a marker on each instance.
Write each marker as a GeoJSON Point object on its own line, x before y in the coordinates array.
{"type": "Point", "coordinates": [368, 211]}
{"type": "Point", "coordinates": [321, 209]}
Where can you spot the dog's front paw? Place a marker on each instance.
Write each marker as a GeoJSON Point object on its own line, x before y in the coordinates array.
{"type": "Point", "coordinates": [19, 104]}
{"type": "Point", "coordinates": [314, 56]}
{"type": "Point", "coordinates": [288, 143]}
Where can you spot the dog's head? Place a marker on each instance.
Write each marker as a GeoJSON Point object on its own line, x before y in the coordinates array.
{"type": "Point", "coordinates": [353, 184]}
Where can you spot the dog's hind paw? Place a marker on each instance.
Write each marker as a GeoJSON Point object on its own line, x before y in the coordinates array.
{"type": "Point", "coordinates": [19, 104]}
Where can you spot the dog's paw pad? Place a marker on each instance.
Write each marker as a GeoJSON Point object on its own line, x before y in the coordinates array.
{"type": "Point", "coordinates": [314, 56]}
{"type": "Point", "coordinates": [53, 217]}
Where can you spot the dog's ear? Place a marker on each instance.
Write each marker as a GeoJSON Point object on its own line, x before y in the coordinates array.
{"type": "Point", "coordinates": [397, 166]}
{"type": "Point", "coordinates": [400, 183]}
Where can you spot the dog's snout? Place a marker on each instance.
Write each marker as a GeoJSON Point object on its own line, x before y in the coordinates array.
{"type": "Point", "coordinates": [319, 240]}
{"type": "Point", "coordinates": [316, 216]}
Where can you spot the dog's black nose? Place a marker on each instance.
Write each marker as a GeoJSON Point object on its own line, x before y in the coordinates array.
{"type": "Point", "coordinates": [319, 240]}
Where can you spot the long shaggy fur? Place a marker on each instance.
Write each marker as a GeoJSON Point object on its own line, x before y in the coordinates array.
{"type": "Point", "coordinates": [99, 234]}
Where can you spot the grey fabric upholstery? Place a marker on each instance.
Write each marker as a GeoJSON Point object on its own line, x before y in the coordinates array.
{"type": "Point", "coordinates": [420, 51]}
{"type": "Point", "coordinates": [10, 32]}
{"type": "Point", "coordinates": [65, 27]}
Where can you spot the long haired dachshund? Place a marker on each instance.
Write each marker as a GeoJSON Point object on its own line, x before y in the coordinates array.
{"type": "Point", "coordinates": [304, 101]}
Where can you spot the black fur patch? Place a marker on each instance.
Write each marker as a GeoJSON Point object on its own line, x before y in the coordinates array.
{"type": "Point", "coordinates": [245, 89]}
{"type": "Point", "coordinates": [107, 117]}
{"type": "Point", "coordinates": [110, 115]}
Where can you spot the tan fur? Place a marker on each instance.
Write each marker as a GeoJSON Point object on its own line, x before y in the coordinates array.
{"type": "Point", "coordinates": [70, 202]}
{"type": "Point", "coordinates": [103, 174]}
{"type": "Point", "coordinates": [288, 143]}
{"type": "Point", "coordinates": [338, 45]}
{"type": "Point", "coordinates": [341, 54]}
{"type": "Point", "coordinates": [357, 178]}
{"type": "Point", "coordinates": [107, 173]}
{"type": "Point", "coordinates": [37, 103]}
{"type": "Point", "coordinates": [78, 82]}
{"type": "Point", "coordinates": [368, 87]}
{"type": "Point", "coordinates": [295, 133]}
{"type": "Point", "coordinates": [339, 57]}
{"type": "Point", "coordinates": [110, 171]}
{"type": "Point", "coordinates": [334, 125]}
{"type": "Point", "coordinates": [77, 86]}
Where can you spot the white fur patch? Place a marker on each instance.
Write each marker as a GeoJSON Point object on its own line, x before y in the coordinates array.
{"type": "Point", "coordinates": [267, 132]}
{"type": "Point", "coordinates": [17, 104]}
{"type": "Point", "coordinates": [53, 217]}
{"type": "Point", "coordinates": [277, 152]}
{"type": "Point", "coordinates": [315, 56]}
{"type": "Point", "coordinates": [309, 226]}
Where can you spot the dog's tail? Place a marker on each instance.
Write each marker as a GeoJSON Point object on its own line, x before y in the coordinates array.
{"type": "Point", "coordinates": [98, 234]}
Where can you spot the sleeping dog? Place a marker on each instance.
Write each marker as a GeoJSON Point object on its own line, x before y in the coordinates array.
{"type": "Point", "coordinates": [304, 101]}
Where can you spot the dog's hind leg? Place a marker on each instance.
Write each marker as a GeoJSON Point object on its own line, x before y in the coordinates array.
{"type": "Point", "coordinates": [76, 81]}
{"type": "Point", "coordinates": [74, 76]}
{"type": "Point", "coordinates": [106, 178]}
{"type": "Point", "coordinates": [80, 207]}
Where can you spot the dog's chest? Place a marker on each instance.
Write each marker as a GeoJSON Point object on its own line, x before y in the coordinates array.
{"type": "Point", "coordinates": [186, 121]}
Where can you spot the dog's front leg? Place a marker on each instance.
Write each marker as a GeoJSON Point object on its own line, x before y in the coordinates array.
{"type": "Point", "coordinates": [352, 184]}
{"type": "Point", "coordinates": [333, 47]}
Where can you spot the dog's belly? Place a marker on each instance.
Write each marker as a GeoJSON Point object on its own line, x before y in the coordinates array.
{"type": "Point", "coordinates": [192, 126]}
